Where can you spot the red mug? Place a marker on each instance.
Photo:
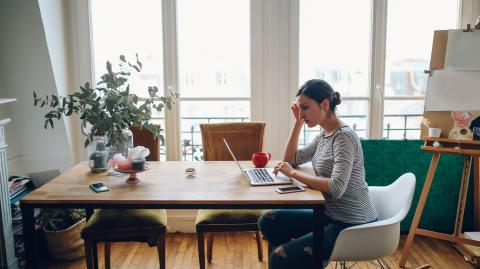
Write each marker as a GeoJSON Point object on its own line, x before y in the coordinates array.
{"type": "Point", "coordinates": [260, 159]}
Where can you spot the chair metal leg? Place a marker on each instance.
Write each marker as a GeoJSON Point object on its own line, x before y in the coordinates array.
{"type": "Point", "coordinates": [209, 247]}
{"type": "Point", "coordinates": [382, 265]}
{"type": "Point", "coordinates": [201, 249]}
{"type": "Point", "coordinates": [161, 251]}
{"type": "Point", "coordinates": [88, 254]}
{"type": "Point", "coordinates": [108, 247]}
{"type": "Point", "coordinates": [259, 245]}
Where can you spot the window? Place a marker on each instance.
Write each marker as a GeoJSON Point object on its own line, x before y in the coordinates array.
{"type": "Point", "coordinates": [213, 58]}
{"type": "Point", "coordinates": [132, 27]}
{"type": "Point", "coordinates": [336, 47]}
{"type": "Point", "coordinates": [408, 49]}
{"type": "Point", "coordinates": [327, 52]}
{"type": "Point", "coordinates": [205, 50]}
{"type": "Point", "coordinates": [214, 67]}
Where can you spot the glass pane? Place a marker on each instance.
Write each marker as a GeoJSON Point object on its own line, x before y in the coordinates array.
{"type": "Point", "coordinates": [409, 42]}
{"type": "Point", "coordinates": [402, 119]}
{"type": "Point", "coordinates": [123, 27]}
{"type": "Point", "coordinates": [195, 112]}
{"type": "Point", "coordinates": [214, 48]}
{"type": "Point", "coordinates": [351, 112]}
{"type": "Point", "coordinates": [327, 52]}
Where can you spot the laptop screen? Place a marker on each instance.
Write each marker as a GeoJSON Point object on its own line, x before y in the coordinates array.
{"type": "Point", "coordinates": [231, 153]}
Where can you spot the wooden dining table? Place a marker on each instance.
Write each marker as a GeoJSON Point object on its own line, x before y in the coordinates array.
{"type": "Point", "coordinates": [165, 185]}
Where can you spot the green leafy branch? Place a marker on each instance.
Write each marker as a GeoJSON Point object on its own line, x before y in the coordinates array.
{"type": "Point", "coordinates": [110, 107]}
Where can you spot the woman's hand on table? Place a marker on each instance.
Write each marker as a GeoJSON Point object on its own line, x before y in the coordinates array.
{"type": "Point", "coordinates": [285, 168]}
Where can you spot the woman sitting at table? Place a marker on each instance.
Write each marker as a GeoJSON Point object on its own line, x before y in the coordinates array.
{"type": "Point", "coordinates": [337, 158]}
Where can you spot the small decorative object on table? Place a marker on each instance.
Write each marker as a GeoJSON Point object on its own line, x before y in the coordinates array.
{"type": "Point", "coordinates": [133, 179]}
{"type": "Point", "coordinates": [133, 164]}
{"type": "Point", "coordinates": [98, 155]}
{"type": "Point", "coordinates": [190, 172]}
{"type": "Point", "coordinates": [138, 164]}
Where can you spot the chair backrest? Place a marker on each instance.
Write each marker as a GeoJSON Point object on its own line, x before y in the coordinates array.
{"type": "Point", "coordinates": [394, 200]}
{"type": "Point", "coordinates": [245, 138]}
{"type": "Point", "coordinates": [144, 137]}
{"type": "Point", "coordinates": [392, 203]}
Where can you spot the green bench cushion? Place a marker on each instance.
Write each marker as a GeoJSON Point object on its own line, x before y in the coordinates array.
{"type": "Point", "coordinates": [107, 219]}
{"type": "Point", "coordinates": [386, 160]}
{"type": "Point", "coordinates": [227, 216]}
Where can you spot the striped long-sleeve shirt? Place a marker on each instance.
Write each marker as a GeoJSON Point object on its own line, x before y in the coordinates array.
{"type": "Point", "coordinates": [339, 158]}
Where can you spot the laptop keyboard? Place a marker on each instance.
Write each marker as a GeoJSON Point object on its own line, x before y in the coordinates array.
{"type": "Point", "coordinates": [260, 176]}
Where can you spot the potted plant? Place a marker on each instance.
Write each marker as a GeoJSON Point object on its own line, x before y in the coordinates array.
{"type": "Point", "coordinates": [106, 110]}
{"type": "Point", "coordinates": [109, 108]}
{"type": "Point", "coordinates": [62, 229]}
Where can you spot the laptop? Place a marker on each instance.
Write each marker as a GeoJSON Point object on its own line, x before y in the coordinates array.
{"type": "Point", "coordinates": [260, 176]}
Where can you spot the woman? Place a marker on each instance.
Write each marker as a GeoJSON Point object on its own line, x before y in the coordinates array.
{"type": "Point", "coordinates": [337, 158]}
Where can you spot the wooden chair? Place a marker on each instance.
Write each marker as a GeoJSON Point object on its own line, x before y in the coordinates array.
{"type": "Point", "coordinates": [130, 225]}
{"type": "Point", "coordinates": [143, 137]}
{"type": "Point", "coordinates": [244, 138]}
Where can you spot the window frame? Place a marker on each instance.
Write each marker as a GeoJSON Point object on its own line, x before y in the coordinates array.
{"type": "Point", "coordinates": [274, 67]}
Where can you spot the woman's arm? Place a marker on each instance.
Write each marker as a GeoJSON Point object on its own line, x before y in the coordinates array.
{"type": "Point", "coordinates": [318, 183]}
{"type": "Point", "coordinates": [292, 143]}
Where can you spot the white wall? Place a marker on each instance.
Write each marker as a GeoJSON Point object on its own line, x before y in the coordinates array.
{"type": "Point", "coordinates": [59, 32]}
{"type": "Point", "coordinates": [26, 67]}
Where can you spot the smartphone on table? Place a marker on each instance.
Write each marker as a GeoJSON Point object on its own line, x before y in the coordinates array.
{"type": "Point", "coordinates": [98, 187]}
{"type": "Point", "coordinates": [289, 189]}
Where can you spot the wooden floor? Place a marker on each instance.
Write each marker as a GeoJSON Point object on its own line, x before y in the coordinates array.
{"type": "Point", "coordinates": [241, 253]}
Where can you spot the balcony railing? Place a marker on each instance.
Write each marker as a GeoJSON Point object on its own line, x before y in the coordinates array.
{"type": "Point", "coordinates": [397, 126]}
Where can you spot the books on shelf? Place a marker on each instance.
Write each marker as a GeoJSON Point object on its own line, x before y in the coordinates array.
{"type": "Point", "coordinates": [18, 187]}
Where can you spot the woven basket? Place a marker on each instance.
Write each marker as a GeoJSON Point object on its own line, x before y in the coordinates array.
{"type": "Point", "coordinates": [66, 245]}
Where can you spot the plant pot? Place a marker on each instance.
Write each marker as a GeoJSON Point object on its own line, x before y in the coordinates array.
{"type": "Point", "coordinates": [66, 245]}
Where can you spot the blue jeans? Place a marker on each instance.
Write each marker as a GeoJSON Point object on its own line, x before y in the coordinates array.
{"type": "Point", "coordinates": [292, 229]}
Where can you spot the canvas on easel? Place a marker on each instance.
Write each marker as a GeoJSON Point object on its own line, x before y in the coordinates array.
{"type": "Point", "coordinates": [453, 87]}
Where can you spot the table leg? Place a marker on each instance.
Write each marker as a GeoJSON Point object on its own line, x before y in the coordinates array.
{"type": "Point", "coordinates": [419, 210]}
{"type": "Point", "coordinates": [94, 252]}
{"type": "Point", "coordinates": [318, 224]}
{"type": "Point", "coordinates": [88, 213]}
{"type": "Point", "coordinates": [476, 190]}
{"type": "Point", "coordinates": [28, 235]}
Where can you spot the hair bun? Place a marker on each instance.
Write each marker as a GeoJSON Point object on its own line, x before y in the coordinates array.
{"type": "Point", "coordinates": [336, 98]}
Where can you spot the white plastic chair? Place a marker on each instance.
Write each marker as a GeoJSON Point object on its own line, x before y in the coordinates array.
{"type": "Point", "coordinates": [373, 241]}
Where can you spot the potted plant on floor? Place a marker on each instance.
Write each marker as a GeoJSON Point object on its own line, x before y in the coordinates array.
{"type": "Point", "coordinates": [106, 111]}
{"type": "Point", "coordinates": [62, 228]}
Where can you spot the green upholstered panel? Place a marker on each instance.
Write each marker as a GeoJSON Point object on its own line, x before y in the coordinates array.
{"type": "Point", "coordinates": [107, 219]}
{"type": "Point", "coordinates": [386, 160]}
{"type": "Point", "coordinates": [227, 216]}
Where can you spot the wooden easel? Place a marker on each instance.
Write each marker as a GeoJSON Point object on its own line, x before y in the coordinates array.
{"type": "Point", "coordinates": [471, 151]}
